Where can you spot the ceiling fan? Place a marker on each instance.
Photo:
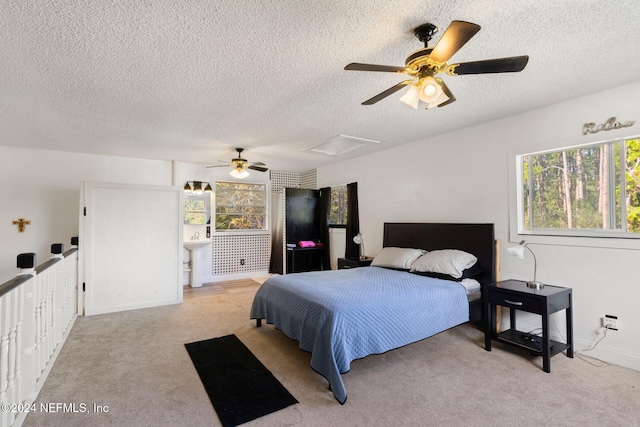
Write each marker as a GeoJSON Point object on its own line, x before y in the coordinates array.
{"type": "Point", "coordinates": [241, 165]}
{"type": "Point", "coordinates": [423, 64]}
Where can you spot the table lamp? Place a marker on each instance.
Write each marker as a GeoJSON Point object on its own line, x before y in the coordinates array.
{"type": "Point", "coordinates": [357, 239]}
{"type": "Point", "coordinates": [518, 251]}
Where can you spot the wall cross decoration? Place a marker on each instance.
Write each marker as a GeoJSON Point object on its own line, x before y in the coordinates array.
{"type": "Point", "coordinates": [21, 222]}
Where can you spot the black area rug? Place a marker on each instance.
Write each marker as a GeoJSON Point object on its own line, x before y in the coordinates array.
{"type": "Point", "coordinates": [241, 389]}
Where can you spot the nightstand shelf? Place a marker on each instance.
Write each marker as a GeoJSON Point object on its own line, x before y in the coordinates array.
{"type": "Point", "coordinates": [515, 337]}
{"type": "Point", "coordinates": [516, 295]}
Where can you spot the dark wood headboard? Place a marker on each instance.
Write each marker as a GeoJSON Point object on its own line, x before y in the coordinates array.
{"type": "Point", "coordinates": [477, 239]}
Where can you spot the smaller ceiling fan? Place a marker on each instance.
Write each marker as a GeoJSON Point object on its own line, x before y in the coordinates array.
{"type": "Point", "coordinates": [423, 64]}
{"type": "Point", "coordinates": [241, 165]}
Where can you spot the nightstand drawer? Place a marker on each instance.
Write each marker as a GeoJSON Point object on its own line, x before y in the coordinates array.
{"type": "Point", "coordinates": [519, 302]}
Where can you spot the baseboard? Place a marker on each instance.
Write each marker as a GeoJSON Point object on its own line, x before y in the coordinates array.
{"type": "Point", "coordinates": [107, 310]}
{"type": "Point", "coordinates": [608, 355]}
{"type": "Point", "coordinates": [239, 276]}
{"type": "Point", "coordinates": [601, 352]}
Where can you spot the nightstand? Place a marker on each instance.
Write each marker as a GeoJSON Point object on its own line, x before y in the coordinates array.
{"type": "Point", "coordinates": [515, 295]}
{"type": "Point", "coordinates": [344, 263]}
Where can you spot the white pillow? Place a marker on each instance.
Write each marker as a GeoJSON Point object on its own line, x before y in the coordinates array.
{"type": "Point", "coordinates": [401, 258]}
{"type": "Point", "coordinates": [444, 261]}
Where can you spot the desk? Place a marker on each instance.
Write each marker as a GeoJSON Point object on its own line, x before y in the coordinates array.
{"type": "Point", "coordinates": [291, 256]}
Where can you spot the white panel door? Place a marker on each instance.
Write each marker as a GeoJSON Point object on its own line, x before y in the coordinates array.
{"type": "Point", "coordinates": [132, 247]}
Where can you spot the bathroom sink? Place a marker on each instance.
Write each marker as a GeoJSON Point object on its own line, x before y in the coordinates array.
{"type": "Point", "coordinates": [195, 247]}
{"type": "Point", "coordinates": [196, 244]}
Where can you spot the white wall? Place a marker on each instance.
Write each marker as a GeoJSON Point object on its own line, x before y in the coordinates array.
{"type": "Point", "coordinates": [44, 187]}
{"type": "Point", "coordinates": [463, 177]}
{"type": "Point", "coordinates": [337, 243]}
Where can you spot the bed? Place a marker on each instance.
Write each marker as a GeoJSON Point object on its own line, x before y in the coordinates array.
{"type": "Point", "coordinates": [343, 315]}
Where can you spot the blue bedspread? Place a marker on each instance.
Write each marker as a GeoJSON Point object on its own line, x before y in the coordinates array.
{"type": "Point", "coordinates": [343, 315]}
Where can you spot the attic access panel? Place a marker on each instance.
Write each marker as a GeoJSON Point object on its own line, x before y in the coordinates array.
{"type": "Point", "coordinates": [340, 144]}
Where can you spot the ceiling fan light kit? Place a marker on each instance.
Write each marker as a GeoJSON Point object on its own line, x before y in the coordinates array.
{"type": "Point", "coordinates": [239, 173]}
{"type": "Point", "coordinates": [427, 90]}
{"type": "Point", "coordinates": [423, 64]}
{"type": "Point", "coordinates": [411, 97]}
{"type": "Point", "coordinates": [241, 165]}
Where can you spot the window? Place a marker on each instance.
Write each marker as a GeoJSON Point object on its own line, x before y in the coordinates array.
{"type": "Point", "coordinates": [338, 211]}
{"type": "Point", "coordinates": [241, 206]}
{"type": "Point", "coordinates": [196, 209]}
{"type": "Point", "coordinates": [581, 191]}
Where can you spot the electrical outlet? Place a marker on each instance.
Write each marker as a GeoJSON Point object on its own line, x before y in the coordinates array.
{"type": "Point", "coordinates": [610, 322]}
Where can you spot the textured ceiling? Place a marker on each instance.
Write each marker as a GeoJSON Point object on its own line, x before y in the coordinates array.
{"type": "Point", "coordinates": [190, 80]}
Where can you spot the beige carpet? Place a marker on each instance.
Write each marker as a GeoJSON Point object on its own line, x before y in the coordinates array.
{"type": "Point", "coordinates": [135, 363]}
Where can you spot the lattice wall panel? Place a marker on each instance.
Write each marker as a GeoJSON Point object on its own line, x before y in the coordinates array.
{"type": "Point", "coordinates": [309, 179]}
{"type": "Point", "coordinates": [281, 179]}
{"type": "Point", "coordinates": [229, 251]}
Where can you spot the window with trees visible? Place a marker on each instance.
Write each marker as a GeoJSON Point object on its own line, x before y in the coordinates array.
{"type": "Point", "coordinates": [583, 191]}
{"type": "Point", "coordinates": [338, 211]}
{"type": "Point", "coordinates": [196, 209]}
{"type": "Point", "coordinates": [241, 206]}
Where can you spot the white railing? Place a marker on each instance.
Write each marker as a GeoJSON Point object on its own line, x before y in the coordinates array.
{"type": "Point", "coordinates": [37, 310]}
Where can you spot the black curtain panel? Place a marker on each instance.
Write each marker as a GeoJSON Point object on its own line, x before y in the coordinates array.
{"type": "Point", "coordinates": [277, 232]}
{"type": "Point", "coordinates": [352, 250]}
{"type": "Point", "coordinates": [325, 208]}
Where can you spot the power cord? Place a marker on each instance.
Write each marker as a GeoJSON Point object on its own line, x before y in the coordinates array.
{"type": "Point", "coordinates": [555, 325]}
{"type": "Point", "coordinates": [578, 353]}
{"type": "Point", "coordinates": [531, 332]}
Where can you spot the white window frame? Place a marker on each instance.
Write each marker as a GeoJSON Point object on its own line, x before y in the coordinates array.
{"type": "Point", "coordinates": [265, 230]}
{"type": "Point", "coordinates": [573, 237]}
{"type": "Point", "coordinates": [206, 198]}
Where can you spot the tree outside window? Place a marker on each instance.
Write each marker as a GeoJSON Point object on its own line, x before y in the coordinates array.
{"type": "Point", "coordinates": [583, 190]}
{"type": "Point", "coordinates": [196, 210]}
{"type": "Point", "coordinates": [338, 210]}
{"type": "Point", "coordinates": [240, 206]}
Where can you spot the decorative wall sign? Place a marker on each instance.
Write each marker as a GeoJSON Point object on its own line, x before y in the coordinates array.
{"type": "Point", "coordinates": [21, 222]}
{"type": "Point", "coordinates": [608, 125]}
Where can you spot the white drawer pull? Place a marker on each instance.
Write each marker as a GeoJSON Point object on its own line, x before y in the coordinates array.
{"type": "Point", "coordinates": [513, 302]}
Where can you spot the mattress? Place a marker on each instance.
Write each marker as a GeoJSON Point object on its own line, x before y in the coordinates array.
{"type": "Point", "coordinates": [473, 289]}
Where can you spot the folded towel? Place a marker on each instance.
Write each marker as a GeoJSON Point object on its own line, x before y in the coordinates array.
{"type": "Point", "coordinates": [306, 244]}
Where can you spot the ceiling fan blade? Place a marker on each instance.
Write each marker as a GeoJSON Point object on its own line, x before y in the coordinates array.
{"type": "Point", "coordinates": [373, 67]}
{"type": "Point", "coordinates": [387, 92]}
{"type": "Point", "coordinates": [219, 166]}
{"type": "Point", "coordinates": [447, 92]}
{"type": "Point", "coordinates": [257, 164]}
{"type": "Point", "coordinates": [501, 65]}
{"type": "Point", "coordinates": [257, 168]}
{"type": "Point", "coordinates": [457, 35]}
